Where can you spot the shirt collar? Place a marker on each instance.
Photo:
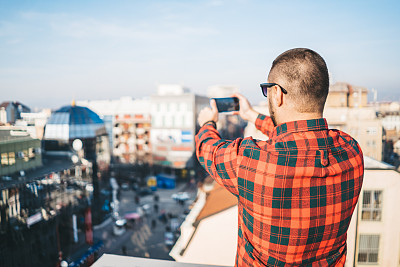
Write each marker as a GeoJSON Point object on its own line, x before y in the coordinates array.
{"type": "Point", "coordinates": [301, 126]}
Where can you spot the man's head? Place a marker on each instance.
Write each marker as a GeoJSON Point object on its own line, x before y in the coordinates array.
{"type": "Point", "coordinates": [304, 75]}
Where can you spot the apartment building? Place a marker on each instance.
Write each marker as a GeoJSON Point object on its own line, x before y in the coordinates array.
{"type": "Point", "coordinates": [362, 124]}
{"type": "Point", "coordinates": [346, 95]}
{"type": "Point", "coordinates": [128, 123]}
{"type": "Point", "coordinates": [373, 237]}
{"type": "Point", "coordinates": [389, 113]}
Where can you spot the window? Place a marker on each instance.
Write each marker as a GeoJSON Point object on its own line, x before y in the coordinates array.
{"type": "Point", "coordinates": [178, 121]}
{"type": "Point", "coordinates": [25, 157]}
{"type": "Point", "coordinates": [11, 158]}
{"type": "Point", "coordinates": [157, 121]}
{"type": "Point", "coordinates": [173, 107]}
{"type": "Point", "coordinates": [371, 143]}
{"type": "Point", "coordinates": [372, 131]}
{"type": "Point", "coordinates": [189, 119]}
{"type": "Point", "coordinates": [168, 121]}
{"type": "Point", "coordinates": [372, 205]}
{"type": "Point", "coordinates": [163, 107]}
{"type": "Point", "coordinates": [368, 249]}
{"type": "Point", "coordinates": [31, 153]}
{"type": "Point", "coordinates": [4, 159]}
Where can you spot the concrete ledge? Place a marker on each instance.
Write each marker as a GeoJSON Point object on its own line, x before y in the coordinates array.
{"type": "Point", "coordinates": [109, 260]}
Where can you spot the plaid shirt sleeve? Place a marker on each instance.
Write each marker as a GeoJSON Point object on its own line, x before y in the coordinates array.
{"type": "Point", "coordinates": [218, 157]}
{"type": "Point", "coordinates": [264, 124]}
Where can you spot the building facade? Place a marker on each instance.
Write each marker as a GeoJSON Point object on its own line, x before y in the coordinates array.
{"type": "Point", "coordinates": [174, 111]}
{"type": "Point", "coordinates": [373, 238]}
{"type": "Point", "coordinates": [362, 124]}
{"type": "Point", "coordinates": [128, 124]}
{"type": "Point", "coordinates": [42, 216]}
{"type": "Point", "coordinates": [347, 95]}
{"type": "Point", "coordinates": [347, 109]}
{"type": "Point", "coordinates": [34, 122]}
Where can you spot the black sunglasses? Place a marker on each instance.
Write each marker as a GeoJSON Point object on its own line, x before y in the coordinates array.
{"type": "Point", "coordinates": [265, 86]}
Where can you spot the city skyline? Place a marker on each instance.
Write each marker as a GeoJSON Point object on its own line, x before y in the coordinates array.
{"type": "Point", "coordinates": [97, 50]}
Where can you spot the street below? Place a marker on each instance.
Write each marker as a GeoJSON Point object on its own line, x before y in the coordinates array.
{"type": "Point", "coordinates": [146, 237]}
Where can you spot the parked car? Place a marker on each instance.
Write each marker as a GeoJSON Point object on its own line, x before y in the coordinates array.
{"type": "Point", "coordinates": [144, 191]}
{"type": "Point", "coordinates": [135, 187]}
{"type": "Point", "coordinates": [125, 186]}
{"type": "Point", "coordinates": [147, 209]}
{"type": "Point", "coordinates": [119, 227]}
{"type": "Point", "coordinates": [169, 238]}
{"type": "Point", "coordinates": [181, 196]}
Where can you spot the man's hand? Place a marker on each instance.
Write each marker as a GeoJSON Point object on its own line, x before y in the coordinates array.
{"type": "Point", "coordinates": [208, 114]}
{"type": "Point", "coordinates": [246, 111]}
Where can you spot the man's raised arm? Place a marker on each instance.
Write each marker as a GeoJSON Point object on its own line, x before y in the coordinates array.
{"type": "Point", "coordinates": [217, 156]}
{"type": "Point", "coordinates": [262, 122]}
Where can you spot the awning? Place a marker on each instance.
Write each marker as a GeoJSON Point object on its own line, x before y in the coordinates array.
{"type": "Point", "coordinates": [132, 216]}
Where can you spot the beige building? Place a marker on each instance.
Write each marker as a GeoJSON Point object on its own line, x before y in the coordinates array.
{"type": "Point", "coordinates": [346, 95]}
{"type": "Point", "coordinates": [347, 109]}
{"type": "Point", "coordinates": [362, 124]}
{"type": "Point", "coordinates": [128, 124]}
{"type": "Point", "coordinates": [373, 237]}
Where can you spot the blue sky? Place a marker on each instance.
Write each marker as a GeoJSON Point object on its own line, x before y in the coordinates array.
{"type": "Point", "coordinates": [54, 51]}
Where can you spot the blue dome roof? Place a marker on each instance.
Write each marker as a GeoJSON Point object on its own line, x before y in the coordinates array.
{"type": "Point", "coordinates": [71, 122]}
{"type": "Point", "coordinates": [76, 115]}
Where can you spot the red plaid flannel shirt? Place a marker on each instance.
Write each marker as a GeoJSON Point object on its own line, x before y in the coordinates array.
{"type": "Point", "coordinates": [296, 191]}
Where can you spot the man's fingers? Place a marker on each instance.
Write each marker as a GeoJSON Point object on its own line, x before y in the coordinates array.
{"type": "Point", "coordinates": [241, 97]}
{"type": "Point", "coordinates": [213, 106]}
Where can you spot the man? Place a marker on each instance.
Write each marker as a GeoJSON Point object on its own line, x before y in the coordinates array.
{"type": "Point", "coordinates": [297, 190]}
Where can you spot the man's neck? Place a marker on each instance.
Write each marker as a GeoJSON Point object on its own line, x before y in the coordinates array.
{"type": "Point", "coordinates": [295, 116]}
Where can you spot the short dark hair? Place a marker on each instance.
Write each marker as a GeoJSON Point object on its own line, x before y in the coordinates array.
{"type": "Point", "coordinates": [304, 75]}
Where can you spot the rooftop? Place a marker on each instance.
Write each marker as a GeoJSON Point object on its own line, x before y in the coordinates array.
{"type": "Point", "coordinates": [218, 199]}
{"type": "Point", "coordinates": [372, 164]}
{"type": "Point", "coordinates": [13, 134]}
{"type": "Point", "coordinates": [70, 122]}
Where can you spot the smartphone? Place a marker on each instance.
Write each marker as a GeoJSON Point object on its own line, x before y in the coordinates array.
{"type": "Point", "coordinates": [227, 104]}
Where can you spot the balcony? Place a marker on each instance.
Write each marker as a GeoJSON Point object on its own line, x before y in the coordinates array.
{"type": "Point", "coordinates": [109, 260]}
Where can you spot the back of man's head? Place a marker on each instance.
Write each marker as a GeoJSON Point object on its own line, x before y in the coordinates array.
{"type": "Point", "coordinates": [304, 74]}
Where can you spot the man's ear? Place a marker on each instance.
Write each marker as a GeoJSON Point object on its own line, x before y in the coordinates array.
{"type": "Point", "coordinates": [278, 96]}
